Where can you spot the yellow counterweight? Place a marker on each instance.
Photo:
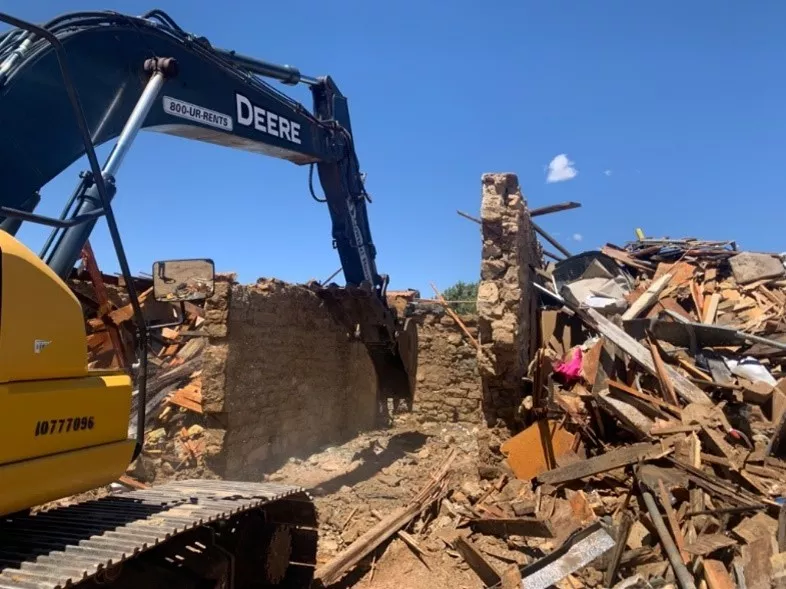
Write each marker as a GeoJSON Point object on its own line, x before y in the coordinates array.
{"type": "Point", "coordinates": [63, 428]}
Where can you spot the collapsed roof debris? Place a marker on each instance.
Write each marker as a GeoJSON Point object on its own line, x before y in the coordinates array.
{"type": "Point", "coordinates": [659, 394]}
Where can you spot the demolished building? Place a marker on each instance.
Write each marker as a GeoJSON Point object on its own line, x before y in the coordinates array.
{"type": "Point", "coordinates": [610, 419]}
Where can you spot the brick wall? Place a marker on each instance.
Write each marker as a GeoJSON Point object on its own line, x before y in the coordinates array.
{"type": "Point", "coordinates": [448, 386]}
{"type": "Point", "coordinates": [281, 376]}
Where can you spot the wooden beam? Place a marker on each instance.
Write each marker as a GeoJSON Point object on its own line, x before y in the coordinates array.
{"type": "Point", "coordinates": [552, 255]}
{"type": "Point", "coordinates": [563, 206]}
{"type": "Point", "coordinates": [332, 571]}
{"type": "Point", "coordinates": [483, 568]}
{"type": "Point", "coordinates": [600, 464]}
{"type": "Point", "coordinates": [540, 231]}
{"type": "Point", "coordinates": [470, 217]}
{"type": "Point", "coordinates": [455, 317]}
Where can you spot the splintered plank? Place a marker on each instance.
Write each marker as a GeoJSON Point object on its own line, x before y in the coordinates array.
{"type": "Point", "coordinates": [716, 576]}
{"type": "Point", "coordinates": [189, 396]}
{"type": "Point", "coordinates": [666, 386]}
{"type": "Point", "coordinates": [682, 272]}
{"type": "Point", "coordinates": [600, 464]}
{"type": "Point", "coordinates": [519, 526]}
{"type": "Point", "coordinates": [631, 418]}
{"type": "Point", "coordinates": [709, 543]}
{"type": "Point", "coordinates": [330, 572]}
{"type": "Point", "coordinates": [757, 564]}
{"type": "Point", "coordinates": [711, 309]}
{"type": "Point", "coordinates": [671, 517]}
{"type": "Point", "coordinates": [122, 314]}
{"type": "Point", "coordinates": [483, 568]}
{"type": "Point", "coordinates": [684, 387]}
{"type": "Point", "coordinates": [648, 298]}
{"type": "Point", "coordinates": [627, 259]}
{"type": "Point", "coordinates": [615, 385]}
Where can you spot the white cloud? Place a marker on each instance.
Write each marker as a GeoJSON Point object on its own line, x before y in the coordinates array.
{"type": "Point", "coordinates": [561, 169]}
{"type": "Point", "coordinates": [607, 172]}
{"type": "Point", "coordinates": [577, 237]}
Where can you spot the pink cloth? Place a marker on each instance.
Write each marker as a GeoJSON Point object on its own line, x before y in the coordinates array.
{"type": "Point", "coordinates": [571, 369]}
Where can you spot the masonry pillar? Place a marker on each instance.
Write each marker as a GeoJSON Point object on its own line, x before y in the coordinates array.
{"type": "Point", "coordinates": [507, 303]}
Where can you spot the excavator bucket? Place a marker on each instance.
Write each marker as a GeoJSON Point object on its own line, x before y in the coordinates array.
{"type": "Point", "coordinates": [391, 341]}
{"type": "Point", "coordinates": [397, 369]}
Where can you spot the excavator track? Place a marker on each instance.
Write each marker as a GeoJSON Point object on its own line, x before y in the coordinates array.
{"type": "Point", "coordinates": [183, 534]}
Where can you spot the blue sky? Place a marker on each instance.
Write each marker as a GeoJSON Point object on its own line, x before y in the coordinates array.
{"type": "Point", "coordinates": [670, 112]}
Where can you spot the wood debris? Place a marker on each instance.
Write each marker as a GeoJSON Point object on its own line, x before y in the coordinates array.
{"type": "Point", "coordinates": [677, 407]}
{"type": "Point", "coordinates": [174, 422]}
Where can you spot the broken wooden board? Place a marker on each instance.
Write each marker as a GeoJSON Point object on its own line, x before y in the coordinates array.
{"type": "Point", "coordinates": [603, 463]}
{"type": "Point", "coordinates": [520, 526]}
{"type": "Point", "coordinates": [189, 397]}
{"type": "Point", "coordinates": [631, 418]}
{"type": "Point", "coordinates": [716, 576]}
{"type": "Point", "coordinates": [683, 387]}
{"type": "Point", "coordinates": [472, 556]}
{"type": "Point", "coordinates": [709, 543]}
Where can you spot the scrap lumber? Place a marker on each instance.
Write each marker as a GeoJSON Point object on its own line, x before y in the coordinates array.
{"type": "Point", "coordinates": [666, 386]}
{"type": "Point", "coordinates": [484, 570]}
{"type": "Point", "coordinates": [333, 570]}
{"type": "Point", "coordinates": [104, 306]}
{"type": "Point", "coordinates": [648, 298]}
{"type": "Point", "coordinates": [600, 464]}
{"type": "Point", "coordinates": [683, 387]}
{"type": "Point", "coordinates": [626, 259]}
{"type": "Point", "coordinates": [716, 576]}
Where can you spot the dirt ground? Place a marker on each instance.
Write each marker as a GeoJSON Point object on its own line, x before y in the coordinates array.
{"type": "Point", "coordinates": [377, 472]}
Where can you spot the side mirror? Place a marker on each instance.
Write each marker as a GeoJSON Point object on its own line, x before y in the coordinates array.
{"type": "Point", "coordinates": [183, 280]}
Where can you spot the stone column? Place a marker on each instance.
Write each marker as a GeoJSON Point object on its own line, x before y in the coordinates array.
{"type": "Point", "coordinates": [506, 299]}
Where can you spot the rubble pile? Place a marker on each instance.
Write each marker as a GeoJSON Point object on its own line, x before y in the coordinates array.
{"type": "Point", "coordinates": [180, 441]}
{"type": "Point", "coordinates": [657, 409]}
{"type": "Point", "coordinates": [648, 449]}
{"type": "Point", "coordinates": [177, 439]}
{"type": "Point", "coordinates": [648, 452]}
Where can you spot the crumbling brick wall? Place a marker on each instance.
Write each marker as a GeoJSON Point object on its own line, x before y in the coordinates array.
{"type": "Point", "coordinates": [448, 387]}
{"type": "Point", "coordinates": [282, 376]}
{"type": "Point", "coordinates": [506, 301]}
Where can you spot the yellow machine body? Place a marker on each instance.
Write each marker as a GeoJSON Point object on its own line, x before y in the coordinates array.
{"type": "Point", "coordinates": [64, 429]}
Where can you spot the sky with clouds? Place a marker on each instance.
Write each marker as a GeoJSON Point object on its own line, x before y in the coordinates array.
{"type": "Point", "coordinates": [660, 115]}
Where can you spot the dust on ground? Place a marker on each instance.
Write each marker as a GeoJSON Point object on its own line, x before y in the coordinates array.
{"type": "Point", "coordinates": [377, 472]}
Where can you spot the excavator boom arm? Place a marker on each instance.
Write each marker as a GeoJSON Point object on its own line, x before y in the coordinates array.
{"type": "Point", "coordinates": [78, 81]}
{"type": "Point", "coordinates": [207, 94]}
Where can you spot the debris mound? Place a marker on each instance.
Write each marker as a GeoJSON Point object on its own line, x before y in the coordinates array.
{"type": "Point", "coordinates": [657, 409]}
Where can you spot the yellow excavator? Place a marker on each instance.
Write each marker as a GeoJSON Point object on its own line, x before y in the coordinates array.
{"type": "Point", "coordinates": [66, 86]}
